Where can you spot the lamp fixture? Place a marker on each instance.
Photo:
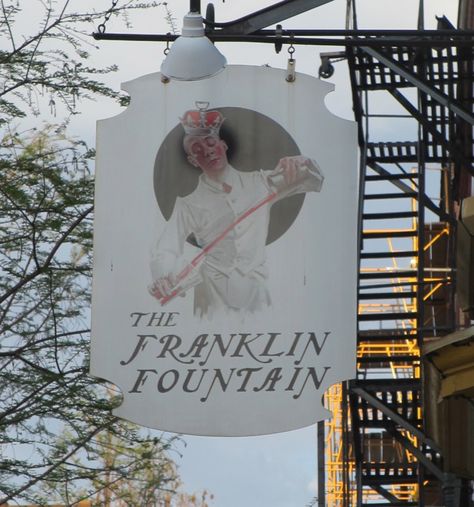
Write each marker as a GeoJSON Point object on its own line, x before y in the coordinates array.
{"type": "Point", "coordinates": [192, 56]}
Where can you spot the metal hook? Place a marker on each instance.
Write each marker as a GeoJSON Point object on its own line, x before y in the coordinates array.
{"type": "Point", "coordinates": [290, 70]}
{"type": "Point", "coordinates": [291, 49]}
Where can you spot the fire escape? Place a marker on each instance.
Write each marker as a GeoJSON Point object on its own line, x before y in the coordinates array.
{"type": "Point", "coordinates": [377, 451]}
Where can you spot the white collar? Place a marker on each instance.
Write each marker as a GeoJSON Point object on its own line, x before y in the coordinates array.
{"type": "Point", "coordinates": [229, 176]}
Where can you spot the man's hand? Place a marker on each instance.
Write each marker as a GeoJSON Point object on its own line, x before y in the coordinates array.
{"type": "Point", "coordinates": [290, 170]}
{"type": "Point", "coordinates": [162, 287]}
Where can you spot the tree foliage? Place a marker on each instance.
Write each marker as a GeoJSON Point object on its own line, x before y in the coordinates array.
{"type": "Point", "coordinates": [59, 440]}
{"type": "Point", "coordinates": [52, 63]}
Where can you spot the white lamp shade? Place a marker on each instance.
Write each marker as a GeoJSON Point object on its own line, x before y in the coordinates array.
{"type": "Point", "coordinates": [192, 56]}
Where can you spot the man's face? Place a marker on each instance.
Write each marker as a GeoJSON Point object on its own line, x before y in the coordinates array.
{"type": "Point", "coordinates": [206, 152]}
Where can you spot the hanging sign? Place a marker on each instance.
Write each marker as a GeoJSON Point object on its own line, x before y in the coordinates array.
{"type": "Point", "coordinates": [225, 247]}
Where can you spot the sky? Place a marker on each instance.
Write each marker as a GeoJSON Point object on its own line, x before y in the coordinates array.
{"type": "Point", "coordinates": [276, 470]}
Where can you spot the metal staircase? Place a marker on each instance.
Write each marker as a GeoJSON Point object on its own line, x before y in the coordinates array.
{"type": "Point", "coordinates": [406, 260]}
{"type": "Point", "coordinates": [388, 353]}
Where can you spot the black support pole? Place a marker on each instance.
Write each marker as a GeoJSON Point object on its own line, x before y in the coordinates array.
{"type": "Point", "coordinates": [321, 465]}
{"type": "Point", "coordinates": [195, 6]}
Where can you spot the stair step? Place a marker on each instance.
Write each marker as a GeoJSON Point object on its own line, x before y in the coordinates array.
{"type": "Point", "coordinates": [386, 295]}
{"type": "Point", "coordinates": [388, 216]}
{"type": "Point", "coordinates": [388, 255]}
{"type": "Point", "coordinates": [408, 233]}
{"type": "Point", "coordinates": [387, 384]}
{"type": "Point", "coordinates": [391, 177]}
{"type": "Point", "coordinates": [371, 417]}
{"type": "Point", "coordinates": [409, 273]}
{"type": "Point", "coordinates": [404, 282]}
{"type": "Point", "coordinates": [365, 317]}
{"type": "Point", "coordinates": [383, 336]}
{"type": "Point", "coordinates": [377, 422]}
{"type": "Point", "coordinates": [386, 340]}
{"type": "Point", "coordinates": [381, 479]}
{"type": "Point", "coordinates": [388, 359]}
{"type": "Point", "coordinates": [396, 151]}
{"type": "Point", "coordinates": [391, 504]}
{"type": "Point", "coordinates": [391, 195]}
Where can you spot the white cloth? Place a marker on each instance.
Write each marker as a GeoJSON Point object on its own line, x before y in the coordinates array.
{"type": "Point", "coordinates": [232, 275]}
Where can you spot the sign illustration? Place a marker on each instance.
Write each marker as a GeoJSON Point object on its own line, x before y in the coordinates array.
{"type": "Point", "coordinates": [224, 288]}
{"type": "Point", "coordinates": [228, 215]}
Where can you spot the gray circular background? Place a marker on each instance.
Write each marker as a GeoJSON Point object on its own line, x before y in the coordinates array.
{"type": "Point", "coordinates": [255, 142]}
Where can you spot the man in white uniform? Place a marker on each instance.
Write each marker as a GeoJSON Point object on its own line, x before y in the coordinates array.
{"type": "Point", "coordinates": [228, 213]}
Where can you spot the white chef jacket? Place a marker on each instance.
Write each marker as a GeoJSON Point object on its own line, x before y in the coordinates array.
{"type": "Point", "coordinates": [232, 275]}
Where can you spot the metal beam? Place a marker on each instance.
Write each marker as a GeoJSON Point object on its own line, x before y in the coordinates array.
{"type": "Point", "coordinates": [405, 188]}
{"type": "Point", "coordinates": [415, 113]}
{"type": "Point", "coordinates": [376, 403]}
{"type": "Point", "coordinates": [431, 128]}
{"type": "Point", "coordinates": [386, 494]}
{"type": "Point", "coordinates": [436, 95]}
{"type": "Point", "coordinates": [355, 428]}
{"type": "Point", "coordinates": [346, 38]}
{"type": "Point", "coordinates": [407, 444]}
{"type": "Point", "coordinates": [321, 465]}
{"type": "Point", "coordinates": [268, 16]}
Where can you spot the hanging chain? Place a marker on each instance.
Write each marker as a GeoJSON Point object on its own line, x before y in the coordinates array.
{"type": "Point", "coordinates": [291, 49]}
{"type": "Point", "coordinates": [101, 27]}
{"type": "Point", "coordinates": [290, 71]}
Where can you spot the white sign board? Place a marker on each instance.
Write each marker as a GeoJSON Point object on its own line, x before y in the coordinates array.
{"type": "Point", "coordinates": [225, 247]}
